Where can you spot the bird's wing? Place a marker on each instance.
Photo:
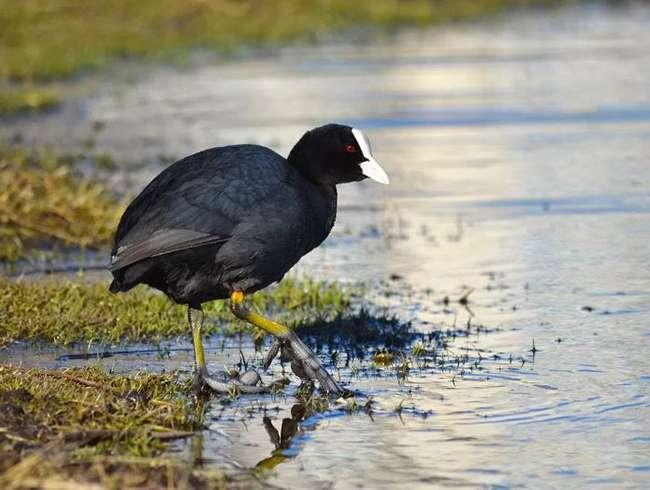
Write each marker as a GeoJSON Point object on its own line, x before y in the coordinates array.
{"type": "Point", "coordinates": [198, 201]}
{"type": "Point", "coordinates": [159, 243]}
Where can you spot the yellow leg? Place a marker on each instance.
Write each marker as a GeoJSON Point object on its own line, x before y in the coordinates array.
{"type": "Point", "coordinates": [195, 317]}
{"type": "Point", "coordinates": [303, 361]}
{"type": "Point", "coordinates": [240, 311]}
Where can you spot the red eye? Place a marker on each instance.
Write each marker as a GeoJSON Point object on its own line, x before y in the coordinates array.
{"type": "Point", "coordinates": [350, 149]}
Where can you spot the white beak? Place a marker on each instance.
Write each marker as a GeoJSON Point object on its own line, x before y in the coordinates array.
{"type": "Point", "coordinates": [373, 170]}
{"type": "Point", "coordinates": [370, 168]}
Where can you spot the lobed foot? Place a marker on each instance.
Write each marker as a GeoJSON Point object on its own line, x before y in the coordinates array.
{"type": "Point", "coordinates": [304, 363]}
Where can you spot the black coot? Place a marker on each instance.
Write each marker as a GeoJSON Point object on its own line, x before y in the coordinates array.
{"type": "Point", "coordinates": [229, 221]}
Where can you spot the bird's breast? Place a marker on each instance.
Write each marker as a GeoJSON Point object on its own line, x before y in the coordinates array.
{"type": "Point", "coordinates": [322, 216]}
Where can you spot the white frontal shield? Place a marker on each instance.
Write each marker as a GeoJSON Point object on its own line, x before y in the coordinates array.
{"type": "Point", "coordinates": [370, 168]}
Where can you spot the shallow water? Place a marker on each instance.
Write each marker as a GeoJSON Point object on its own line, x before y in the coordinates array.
{"type": "Point", "coordinates": [519, 154]}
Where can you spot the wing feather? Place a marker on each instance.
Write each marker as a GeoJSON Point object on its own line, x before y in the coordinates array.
{"type": "Point", "coordinates": [198, 201]}
{"type": "Point", "coordinates": [161, 242]}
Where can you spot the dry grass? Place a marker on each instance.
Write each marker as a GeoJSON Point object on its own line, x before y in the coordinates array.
{"type": "Point", "coordinates": [85, 428]}
{"type": "Point", "coordinates": [44, 201]}
{"type": "Point", "coordinates": [51, 469]}
{"type": "Point", "coordinates": [108, 413]}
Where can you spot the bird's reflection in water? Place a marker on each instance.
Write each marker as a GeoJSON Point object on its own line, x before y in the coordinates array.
{"type": "Point", "coordinates": [282, 440]}
{"type": "Point", "coordinates": [196, 450]}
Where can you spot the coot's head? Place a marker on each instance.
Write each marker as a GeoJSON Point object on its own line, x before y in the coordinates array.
{"type": "Point", "coordinates": [333, 154]}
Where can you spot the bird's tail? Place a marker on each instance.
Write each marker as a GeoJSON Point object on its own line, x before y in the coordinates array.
{"type": "Point", "coordinates": [119, 282]}
{"type": "Point", "coordinates": [130, 276]}
{"type": "Point", "coordinates": [115, 286]}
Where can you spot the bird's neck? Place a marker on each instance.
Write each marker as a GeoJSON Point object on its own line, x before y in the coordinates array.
{"type": "Point", "coordinates": [322, 202]}
{"type": "Point", "coordinates": [332, 201]}
{"type": "Point", "coordinates": [309, 164]}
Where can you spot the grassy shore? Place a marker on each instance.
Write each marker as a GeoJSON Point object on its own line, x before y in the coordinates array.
{"type": "Point", "coordinates": [45, 40]}
{"type": "Point", "coordinates": [86, 428]}
{"type": "Point", "coordinates": [64, 312]}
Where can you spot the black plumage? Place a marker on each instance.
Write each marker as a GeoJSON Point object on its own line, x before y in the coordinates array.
{"type": "Point", "coordinates": [226, 222]}
{"type": "Point", "coordinates": [233, 218]}
{"type": "Point", "coordinates": [225, 219]}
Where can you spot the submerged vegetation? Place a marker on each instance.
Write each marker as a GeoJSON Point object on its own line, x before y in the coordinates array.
{"type": "Point", "coordinates": [42, 40]}
{"type": "Point", "coordinates": [87, 426]}
{"type": "Point", "coordinates": [66, 312]}
{"type": "Point", "coordinates": [44, 200]}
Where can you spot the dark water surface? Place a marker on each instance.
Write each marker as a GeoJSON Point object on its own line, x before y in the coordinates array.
{"type": "Point", "coordinates": [519, 153]}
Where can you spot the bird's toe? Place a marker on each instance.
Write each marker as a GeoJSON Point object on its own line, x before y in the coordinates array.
{"type": "Point", "coordinates": [250, 378]}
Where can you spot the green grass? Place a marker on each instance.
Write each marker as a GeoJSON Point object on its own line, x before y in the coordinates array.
{"type": "Point", "coordinates": [64, 429]}
{"type": "Point", "coordinates": [85, 426]}
{"type": "Point", "coordinates": [64, 312]}
{"type": "Point", "coordinates": [27, 99]}
{"type": "Point", "coordinates": [45, 201]}
{"type": "Point", "coordinates": [42, 40]}
{"type": "Point", "coordinates": [130, 411]}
